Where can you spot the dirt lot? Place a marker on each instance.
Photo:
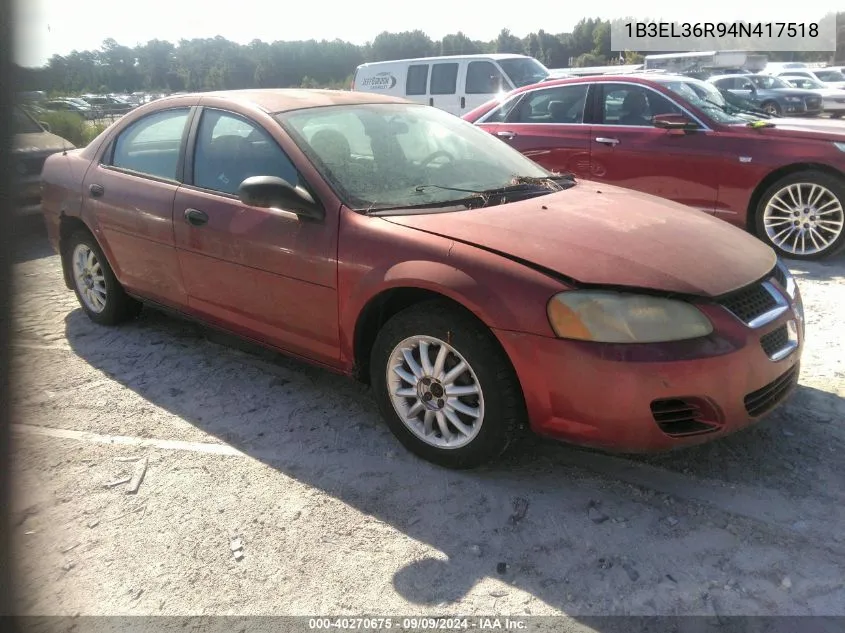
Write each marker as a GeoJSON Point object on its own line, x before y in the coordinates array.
{"type": "Point", "coordinates": [334, 517]}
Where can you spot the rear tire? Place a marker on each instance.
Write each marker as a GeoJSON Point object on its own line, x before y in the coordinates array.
{"type": "Point", "coordinates": [455, 416]}
{"type": "Point", "coordinates": [98, 291]}
{"type": "Point", "coordinates": [802, 215]}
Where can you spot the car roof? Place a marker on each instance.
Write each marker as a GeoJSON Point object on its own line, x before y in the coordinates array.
{"type": "Point", "coordinates": [493, 56]}
{"type": "Point", "coordinates": [277, 100]}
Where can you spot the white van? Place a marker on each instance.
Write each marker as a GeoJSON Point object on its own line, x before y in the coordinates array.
{"type": "Point", "coordinates": [455, 83]}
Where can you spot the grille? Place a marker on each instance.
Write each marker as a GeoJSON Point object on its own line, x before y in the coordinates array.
{"type": "Point", "coordinates": [775, 341]}
{"type": "Point", "coordinates": [750, 303]}
{"type": "Point", "coordinates": [813, 103]}
{"type": "Point", "coordinates": [677, 417]}
{"type": "Point", "coordinates": [31, 166]}
{"type": "Point", "coordinates": [767, 398]}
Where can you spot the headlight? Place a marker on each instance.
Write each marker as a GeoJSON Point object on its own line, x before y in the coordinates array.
{"type": "Point", "coordinates": [792, 99]}
{"type": "Point", "coordinates": [840, 146]}
{"type": "Point", "coordinates": [615, 317]}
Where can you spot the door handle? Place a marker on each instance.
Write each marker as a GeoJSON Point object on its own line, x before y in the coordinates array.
{"type": "Point", "coordinates": [506, 134]}
{"type": "Point", "coordinates": [196, 218]}
{"type": "Point", "coordinates": [607, 141]}
{"type": "Point", "coordinates": [463, 102]}
{"type": "Point", "coordinates": [96, 190]}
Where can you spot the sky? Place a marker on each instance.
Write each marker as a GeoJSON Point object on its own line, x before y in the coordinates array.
{"type": "Point", "coordinates": [48, 27]}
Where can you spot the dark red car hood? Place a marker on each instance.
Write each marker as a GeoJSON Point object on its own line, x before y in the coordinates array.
{"type": "Point", "coordinates": [599, 234]}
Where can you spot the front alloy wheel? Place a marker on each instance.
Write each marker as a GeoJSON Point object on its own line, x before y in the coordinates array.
{"type": "Point", "coordinates": [445, 386]}
{"type": "Point", "coordinates": [802, 217]}
{"type": "Point", "coordinates": [435, 392]}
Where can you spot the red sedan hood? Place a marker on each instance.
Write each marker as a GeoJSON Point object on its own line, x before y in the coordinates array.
{"type": "Point", "coordinates": [599, 234]}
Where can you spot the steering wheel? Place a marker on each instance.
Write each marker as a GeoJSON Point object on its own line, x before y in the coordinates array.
{"type": "Point", "coordinates": [435, 155]}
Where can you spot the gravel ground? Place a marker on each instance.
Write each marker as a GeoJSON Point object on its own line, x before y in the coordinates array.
{"type": "Point", "coordinates": [334, 517]}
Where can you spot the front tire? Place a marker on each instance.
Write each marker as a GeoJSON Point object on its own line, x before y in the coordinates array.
{"type": "Point", "coordinates": [773, 108]}
{"type": "Point", "coordinates": [445, 387]}
{"type": "Point", "coordinates": [99, 292]}
{"type": "Point", "coordinates": [801, 215]}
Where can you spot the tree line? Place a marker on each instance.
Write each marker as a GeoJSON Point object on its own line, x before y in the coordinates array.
{"type": "Point", "coordinates": [220, 64]}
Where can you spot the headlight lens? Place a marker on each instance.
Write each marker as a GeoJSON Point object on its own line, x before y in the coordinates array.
{"type": "Point", "coordinates": [616, 317]}
{"type": "Point", "coordinates": [839, 146]}
{"type": "Point", "coordinates": [793, 99]}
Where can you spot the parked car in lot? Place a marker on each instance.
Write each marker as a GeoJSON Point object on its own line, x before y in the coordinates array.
{"type": "Point", "coordinates": [828, 77]}
{"type": "Point", "coordinates": [73, 106]}
{"type": "Point", "coordinates": [477, 292]}
{"type": "Point", "coordinates": [772, 94]}
{"type": "Point", "coordinates": [781, 179]}
{"type": "Point", "coordinates": [33, 143]}
{"type": "Point", "coordinates": [833, 99]}
{"type": "Point", "coordinates": [455, 83]}
{"type": "Point", "coordinates": [108, 105]}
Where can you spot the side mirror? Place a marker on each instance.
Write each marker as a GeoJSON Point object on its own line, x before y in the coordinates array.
{"type": "Point", "coordinates": [46, 126]}
{"type": "Point", "coordinates": [270, 192]}
{"type": "Point", "coordinates": [674, 121]}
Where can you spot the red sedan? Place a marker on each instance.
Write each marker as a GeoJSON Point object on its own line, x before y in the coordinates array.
{"type": "Point", "coordinates": [478, 293]}
{"type": "Point", "coordinates": [677, 138]}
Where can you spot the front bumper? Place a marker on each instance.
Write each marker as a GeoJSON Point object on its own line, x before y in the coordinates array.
{"type": "Point", "coordinates": [28, 197]}
{"type": "Point", "coordinates": [648, 398]}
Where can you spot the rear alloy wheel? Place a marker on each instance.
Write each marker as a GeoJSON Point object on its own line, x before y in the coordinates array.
{"type": "Point", "coordinates": [97, 289]}
{"type": "Point", "coordinates": [445, 387]}
{"type": "Point", "coordinates": [801, 216]}
{"type": "Point", "coordinates": [772, 108]}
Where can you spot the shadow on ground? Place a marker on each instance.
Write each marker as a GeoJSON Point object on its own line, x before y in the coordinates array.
{"type": "Point", "coordinates": [30, 239]}
{"type": "Point", "coordinates": [325, 431]}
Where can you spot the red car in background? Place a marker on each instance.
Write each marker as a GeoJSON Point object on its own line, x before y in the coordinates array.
{"type": "Point", "coordinates": [676, 137]}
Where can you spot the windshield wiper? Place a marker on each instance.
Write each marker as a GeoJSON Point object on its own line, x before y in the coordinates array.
{"type": "Point", "coordinates": [533, 185]}
{"type": "Point", "coordinates": [555, 182]}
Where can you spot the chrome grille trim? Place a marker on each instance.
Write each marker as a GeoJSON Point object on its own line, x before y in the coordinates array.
{"type": "Point", "coordinates": [774, 313]}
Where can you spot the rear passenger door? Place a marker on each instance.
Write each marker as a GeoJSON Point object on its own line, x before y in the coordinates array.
{"type": "Point", "coordinates": [130, 194]}
{"type": "Point", "coordinates": [547, 125]}
{"type": "Point", "coordinates": [443, 87]}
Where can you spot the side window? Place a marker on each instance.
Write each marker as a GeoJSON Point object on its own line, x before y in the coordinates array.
{"type": "Point", "coordinates": [502, 112]}
{"type": "Point", "coordinates": [633, 105]}
{"type": "Point", "coordinates": [744, 84]}
{"type": "Point", "coordinates": [151, 145]}
{"type": "Point", "coordinates": [417, 80]}
{"type": "Point", "coordinates": [444, 79]}
{"type": "Point", "coordinates": [483, 78]}
{"type": "Point", "coordinates": [562, 104]}
{"type": "Point", "coordinates": [230, 149]}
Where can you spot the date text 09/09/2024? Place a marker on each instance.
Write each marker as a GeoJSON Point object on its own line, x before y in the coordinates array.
{"type": "Point", "coordinates": [671, 30]}
{"type": "Point", "coordinates": [418, 624]}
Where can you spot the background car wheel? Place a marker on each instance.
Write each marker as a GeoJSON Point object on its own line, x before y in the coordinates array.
{"type": "Point", "coordinates": [97, 289]}
{"type": "Point", "coordinates": [772, 107]}
{"type": "Point", "coordinates": [801, 215]}
{"type": "Point", "coordinates": [445, 387]}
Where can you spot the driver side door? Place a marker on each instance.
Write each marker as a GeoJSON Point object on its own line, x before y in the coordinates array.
{"type": "Point", "coordinates": [263, 273]}
{"type": "Point", "coordinates": [627, 150]}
